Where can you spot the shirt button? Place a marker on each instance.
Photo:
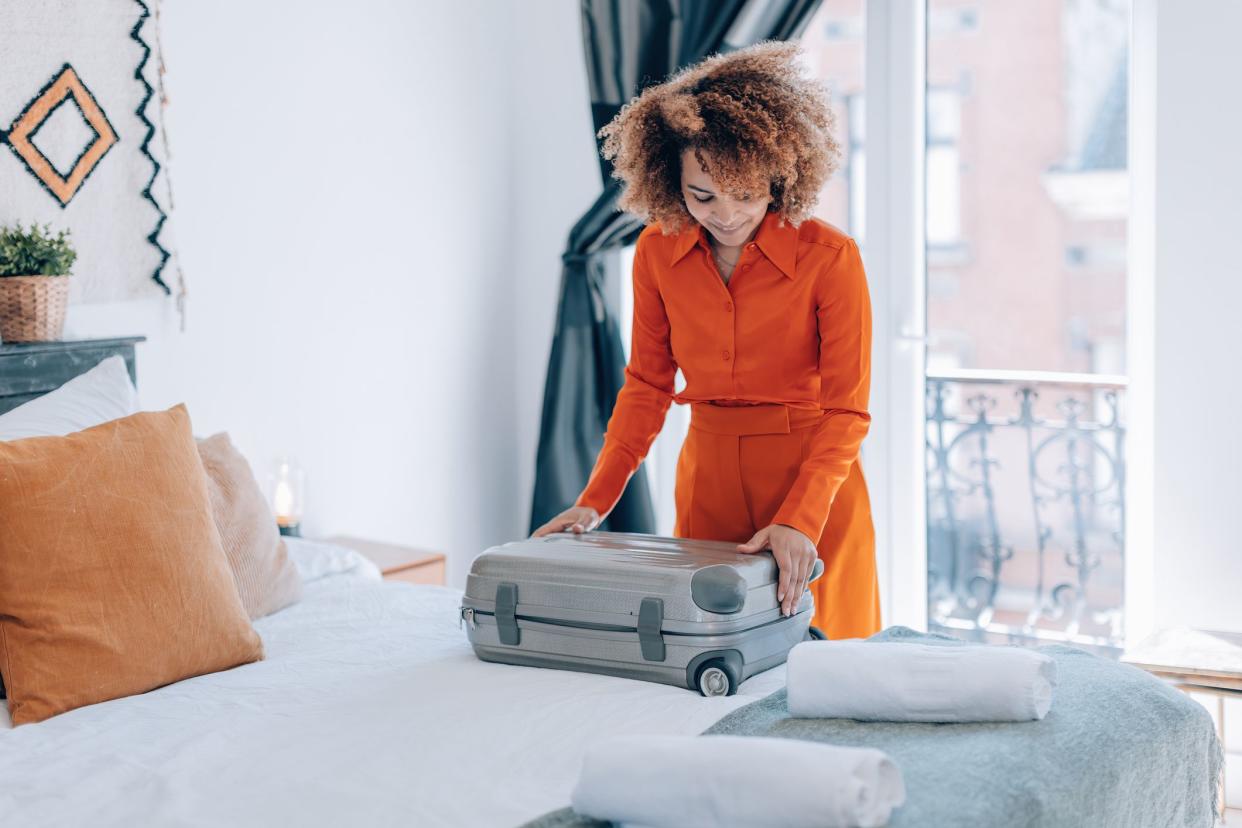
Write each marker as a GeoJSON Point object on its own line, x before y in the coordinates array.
{"type": "Point", "coordinates": [746, 266]}
{"type": "Point", "coordinates": [724, 355]}
{"type": "Point", "coordinates": [729, 307]}
{"type": "Point", "coordinates": [750, 246]}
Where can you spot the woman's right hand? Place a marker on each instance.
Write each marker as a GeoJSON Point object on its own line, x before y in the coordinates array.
{"type": "Point", "coordinates": [577, 519]}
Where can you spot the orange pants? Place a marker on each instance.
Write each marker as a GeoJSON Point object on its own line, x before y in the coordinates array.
{"type": "Point", "coordinates": [734, 470]}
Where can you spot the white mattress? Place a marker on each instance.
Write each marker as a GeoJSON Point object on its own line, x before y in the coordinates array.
{"type": "Point", "coordinates": [370, 709]}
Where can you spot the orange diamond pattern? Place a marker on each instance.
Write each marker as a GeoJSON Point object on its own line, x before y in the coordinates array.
{"type": "Point", "coordinates": [65, 84]}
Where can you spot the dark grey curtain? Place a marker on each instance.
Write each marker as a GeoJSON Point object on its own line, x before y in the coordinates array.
{"type": "Point", "coordinates": [629, 44]}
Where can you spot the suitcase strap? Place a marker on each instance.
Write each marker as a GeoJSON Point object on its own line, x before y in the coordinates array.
{"type": "Point", "coordinates": [650, 619]}
{"type": "Point", "coordinates": [506, 614]}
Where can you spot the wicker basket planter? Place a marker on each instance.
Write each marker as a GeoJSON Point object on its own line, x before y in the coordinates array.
{"type": "Point", "coordinates": [32, 308]}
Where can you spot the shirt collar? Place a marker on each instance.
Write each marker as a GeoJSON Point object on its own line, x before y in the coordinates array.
{"type": "Point", "coordinates": [779, 244]}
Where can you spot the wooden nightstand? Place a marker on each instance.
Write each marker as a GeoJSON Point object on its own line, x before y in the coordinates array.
{"type": "Point", "coordinates": [398, 563]}
{"type": "Point", "coordinates": [1196, 661]}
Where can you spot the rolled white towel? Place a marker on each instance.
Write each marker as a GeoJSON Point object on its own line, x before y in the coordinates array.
{"type": "Point", "coordinates": [900, 681]}
{"type": "Point", "coordinates": [737, 781]}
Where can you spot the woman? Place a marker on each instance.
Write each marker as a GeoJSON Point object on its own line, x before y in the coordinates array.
{"type": "Point", "coordinates": [765, 309]}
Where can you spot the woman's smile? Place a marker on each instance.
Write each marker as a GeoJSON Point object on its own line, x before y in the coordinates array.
{"type": "Point", "coordinates": [730, 217]}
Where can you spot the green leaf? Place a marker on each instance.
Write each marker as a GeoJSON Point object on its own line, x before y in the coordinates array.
{"type": "Point", "coordinates": [35, 252]}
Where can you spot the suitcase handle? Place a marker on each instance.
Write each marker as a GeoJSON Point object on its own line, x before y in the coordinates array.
{"type": "Point", "coordinates": [816, 571]}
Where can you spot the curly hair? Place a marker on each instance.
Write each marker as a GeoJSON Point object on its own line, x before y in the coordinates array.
{"type": "Point", "coordinates": [765, 126]}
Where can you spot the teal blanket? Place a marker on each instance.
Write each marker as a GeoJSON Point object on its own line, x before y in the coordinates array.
{"type": "Point", "coordinates": [1118, 748]}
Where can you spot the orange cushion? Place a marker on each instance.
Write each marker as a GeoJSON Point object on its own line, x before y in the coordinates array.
{"type": "Point", "coordinates": [265, 575]}
{"type": "Point", "coordinates": [113, 580]}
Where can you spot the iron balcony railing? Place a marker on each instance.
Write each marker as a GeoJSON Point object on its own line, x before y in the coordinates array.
{"type": "Point", "coordinates": [1026, 506]}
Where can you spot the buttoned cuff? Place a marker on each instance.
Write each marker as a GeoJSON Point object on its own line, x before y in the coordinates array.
{"type": "Point", "coordinates": [608, 479]}
{"type": "Point", "coordinates": [807, 521]}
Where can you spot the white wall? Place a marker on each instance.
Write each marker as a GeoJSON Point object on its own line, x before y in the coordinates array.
{"type": "Point", "coordinates": [555, 178]}
{"type": "Point", "coordinates": [363, 284]}
{"type": "Point", "coordinates": [1185, 293]}
{"type": "Point", "coordinates": [1198, 297]}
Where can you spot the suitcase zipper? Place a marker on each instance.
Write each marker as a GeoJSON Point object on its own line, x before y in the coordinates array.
{"type": "Point", "coordinates": [467, 616]}
{"type": "Point", "coordinates": [470, 614]}
{"type": "Point", "coordinates": [584, 625]}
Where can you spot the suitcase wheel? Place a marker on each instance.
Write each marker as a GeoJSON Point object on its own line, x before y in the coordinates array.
{"type": "Point", "coordinates": [716, 678]}
{"type": "Point", "coordinates": [815, 634]}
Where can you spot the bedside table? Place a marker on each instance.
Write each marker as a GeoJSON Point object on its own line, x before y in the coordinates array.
{"type": "Point", "coordinates": [1196, 661]}
{"type": "Point", "coordinates": [396, 562]}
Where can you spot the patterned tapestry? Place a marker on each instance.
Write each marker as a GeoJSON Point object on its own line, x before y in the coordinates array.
{"type": "Point", "coordinates": [82, 144]}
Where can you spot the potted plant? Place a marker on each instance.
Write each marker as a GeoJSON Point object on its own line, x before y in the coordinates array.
{"type": "Point", "coordinates": [34, 282]}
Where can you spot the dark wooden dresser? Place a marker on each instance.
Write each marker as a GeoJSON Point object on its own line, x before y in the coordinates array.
{"type": "Point", "coordinates": [31, 369]}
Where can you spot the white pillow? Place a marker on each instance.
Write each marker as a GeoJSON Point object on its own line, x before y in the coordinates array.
{"type": "Point", "coordinates": [316, 559]}
{"type": "Point", "coordinates": [101, 394]}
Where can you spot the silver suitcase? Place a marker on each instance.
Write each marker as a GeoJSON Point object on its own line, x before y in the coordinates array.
{"type": "Point", "coordinates": [692, 613]}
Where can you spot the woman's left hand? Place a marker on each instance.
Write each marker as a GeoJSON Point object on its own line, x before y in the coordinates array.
{"type": "Point", "coordinates": [795, 558]}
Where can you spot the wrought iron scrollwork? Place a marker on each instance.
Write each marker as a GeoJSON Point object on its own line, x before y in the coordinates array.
{"type": "Point", "coordinates": [1026, 510]}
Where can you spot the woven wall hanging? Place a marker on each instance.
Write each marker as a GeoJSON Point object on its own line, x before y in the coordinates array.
{"type": "Point", "coordinates": [84, 148]}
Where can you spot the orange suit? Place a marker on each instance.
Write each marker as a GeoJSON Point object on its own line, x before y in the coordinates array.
{"type": "Point", "coordinates": [777, 365]}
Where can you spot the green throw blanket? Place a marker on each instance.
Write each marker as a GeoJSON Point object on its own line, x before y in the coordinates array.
{"type": "Point", "coordinates": [1118, 748]}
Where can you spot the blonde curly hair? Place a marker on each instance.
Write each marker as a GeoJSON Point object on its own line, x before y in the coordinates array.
{"type": "Point", "coordinates": [764, 126]}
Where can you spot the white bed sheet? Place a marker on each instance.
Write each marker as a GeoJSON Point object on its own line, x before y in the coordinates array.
{"type": "Point", "coordinates": [369, 709]}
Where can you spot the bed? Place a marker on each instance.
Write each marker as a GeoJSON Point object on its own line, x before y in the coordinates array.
{"type": "Point", "coordinates": [371, 709]}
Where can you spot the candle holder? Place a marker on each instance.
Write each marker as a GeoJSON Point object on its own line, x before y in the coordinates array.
{"type": "Point", "coordinates": [288, 487]}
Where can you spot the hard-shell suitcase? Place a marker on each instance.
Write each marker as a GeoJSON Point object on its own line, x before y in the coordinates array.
{"type": "Point", "coordinates": [692, 613]}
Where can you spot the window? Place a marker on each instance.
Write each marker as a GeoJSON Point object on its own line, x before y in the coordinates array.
{"type": "Point", "coordinates": [835, 46]}
{"type": "Point", "coordinates": [1026, 137]}
{"type": "Point", "coordinates": [1026, 179]}
{"type": "Point", "coordinates": [944, 186]}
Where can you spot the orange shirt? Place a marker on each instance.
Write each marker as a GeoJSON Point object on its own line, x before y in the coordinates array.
{"type": "Point", "coordinates": [792, 326]}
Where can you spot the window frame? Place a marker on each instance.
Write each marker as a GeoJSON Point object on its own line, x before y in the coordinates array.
{"type": "Point", "coordinates": [895, 259]}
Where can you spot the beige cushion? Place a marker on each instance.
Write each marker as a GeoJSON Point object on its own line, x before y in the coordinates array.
{"type": "Point", "coordinates": [113, 580]}
{"type": "Point", "coordinates": [265, 576]}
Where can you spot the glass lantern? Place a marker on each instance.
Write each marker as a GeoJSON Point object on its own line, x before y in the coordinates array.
{"type": "Point", "coordinates": [288, 489]}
